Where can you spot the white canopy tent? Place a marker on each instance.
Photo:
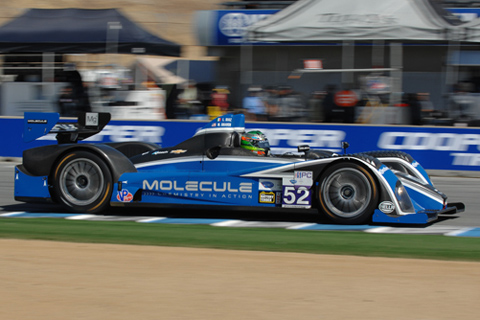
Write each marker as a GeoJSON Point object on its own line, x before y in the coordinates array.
{"type": "Point", "coordinates": [378, 21]}
{"type": "Point", "coordinates": [337, 20]}
{"type": "Point", "coordinates": [469, 31]}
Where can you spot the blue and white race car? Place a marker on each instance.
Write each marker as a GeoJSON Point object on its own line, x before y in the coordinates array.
{"type": "Point", "coordinates": [217, 167]}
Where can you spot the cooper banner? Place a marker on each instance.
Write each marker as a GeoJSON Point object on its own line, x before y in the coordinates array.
{"type": "Point", "coordinates": [436, 148]}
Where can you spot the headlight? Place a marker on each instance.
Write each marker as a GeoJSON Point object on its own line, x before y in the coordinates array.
{"type": "Point", "coordinates": [403, 198]}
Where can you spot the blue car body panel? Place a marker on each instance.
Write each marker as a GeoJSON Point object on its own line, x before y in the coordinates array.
{"type": "Point", "coordinates": [28, 186]}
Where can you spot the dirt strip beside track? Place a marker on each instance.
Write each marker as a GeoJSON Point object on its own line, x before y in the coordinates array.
{"type": "Point", "coordinates": [56, 280]}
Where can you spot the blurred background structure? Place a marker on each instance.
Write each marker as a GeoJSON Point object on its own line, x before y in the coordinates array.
{"type": "Point", "coordinates": [131, 81]}
{"type": "Point", "coordinates": [390, 62]}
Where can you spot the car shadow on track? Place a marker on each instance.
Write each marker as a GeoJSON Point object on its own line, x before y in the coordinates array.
{"type": "Point", "coordinates": [305, 216]}
{"type": "Point", "coordinates": [294, 216]}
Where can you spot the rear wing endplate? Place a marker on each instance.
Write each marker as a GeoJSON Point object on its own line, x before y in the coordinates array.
{"type": "Point", "coordinates": [38, 124]}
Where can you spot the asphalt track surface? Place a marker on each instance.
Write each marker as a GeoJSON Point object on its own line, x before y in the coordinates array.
{"type": "Point", "coordinates": [458, 189]}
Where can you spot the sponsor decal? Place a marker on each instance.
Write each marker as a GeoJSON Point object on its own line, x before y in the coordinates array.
{"type": "Point", "coordinates": [37, 121]}
{"type": "Point", "coordinates": [178, 151]}
{"type": "Point", "coordinates": [198, 195]}
{"type": "Point", "coordinates": [303, 178]}
{"type": "Point", "coordinates": [266, 197]}
{"type": "Point", "coordinates": [91, 119]}
{"type": "Point", "coordinates": [267, 184]}
{"type": "Point", "coordinates": [159, 152]}
{"type": "Point", "coordinates": [124, 196]}
{"type": "Point", "coordinates": [199, 189]}
{"type": "Point", "coordinates": [270, 184]}
{"type": "Point", "coordinates": [386, 207]}
{"type": "Point", "coordinates": [205, 186]}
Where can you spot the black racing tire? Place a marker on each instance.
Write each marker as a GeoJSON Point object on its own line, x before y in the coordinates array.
{"type": "Point", "coordinates": [82, 182]}
{"type": "Point", "coordinates": [347, 194]}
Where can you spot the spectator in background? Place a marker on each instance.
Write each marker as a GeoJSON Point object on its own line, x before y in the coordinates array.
{"type": "Point", "coordinates": [79, 92]}
{"type": "Point", "coordinates": [328, 102]}
{"type": "Point", "coordinates": [315, 106]}
{"type": "Point", "coordinates": [461, 102]}
{"type": "Point", "coordinates": [170, 104]}
{"type": "Point", "coordinates": [254, 105]}
{"type": "Point", "coordinates": [270, 99]}
{"type": "Point", "coordinates": [289, 105]}
{"type": "Point", "coordinates": [188, 103]}
{"type": "Point", "coordinates": [220, 98]}
{"type": "Point", "coordinates": [415, 109]}
{"type": "Point", "coordinates": [68, 105]}
{"type": "Point", "coordinates": [84, 98]}
{"type": "Point", "coordinates": [426, 104]}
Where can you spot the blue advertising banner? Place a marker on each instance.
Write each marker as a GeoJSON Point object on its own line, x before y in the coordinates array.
{"type": "Point", "coordinates": [226, 27]}
{"type": "Point", "coordinates": [232, 24]}
{"type": "Point", "coordinates": [465, 14]}
{"type": "Point", "coordinates": [436, 148]}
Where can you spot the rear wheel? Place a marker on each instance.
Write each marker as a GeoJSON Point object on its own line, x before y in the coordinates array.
{"type": "Point", "coordinates": [83, 182]}
{"type": "Point", "coordinates": [348, 193]}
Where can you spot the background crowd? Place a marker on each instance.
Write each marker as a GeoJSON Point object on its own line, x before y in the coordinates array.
{"type": "Point", "coordinates": [282, 103]}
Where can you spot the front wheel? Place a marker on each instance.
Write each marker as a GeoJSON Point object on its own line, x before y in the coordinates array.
{"type": "Point", "coordinates": [348, 194]}
{"type": "Point", "coordinates": [82, 182]}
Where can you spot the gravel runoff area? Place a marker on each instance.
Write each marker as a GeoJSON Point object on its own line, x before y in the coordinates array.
{"type": "Point", "coordinates": [57, 280]}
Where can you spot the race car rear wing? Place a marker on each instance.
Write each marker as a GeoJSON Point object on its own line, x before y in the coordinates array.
{"type": "Point", "coordinates": [38, 124]}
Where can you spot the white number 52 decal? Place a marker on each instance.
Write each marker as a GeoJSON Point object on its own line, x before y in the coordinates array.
{"type": "Point", "coordinates": [299, 197]}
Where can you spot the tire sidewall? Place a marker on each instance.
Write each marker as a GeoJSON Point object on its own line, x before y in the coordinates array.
{"type": "Point", "coordinates": [366, 214]}
{"type": "Point", "coordinates": [102, 201]}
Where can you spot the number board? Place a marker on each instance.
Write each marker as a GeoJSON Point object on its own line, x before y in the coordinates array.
{"type": "Point", "coordinates": [296, 192]}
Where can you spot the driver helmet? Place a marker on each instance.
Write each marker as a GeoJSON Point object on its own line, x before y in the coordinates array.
{"type": "Point", "coordinates": [256, 142]}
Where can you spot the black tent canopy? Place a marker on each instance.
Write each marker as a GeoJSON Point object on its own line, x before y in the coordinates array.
{"type": "Point", "coordinates": [80, 31]}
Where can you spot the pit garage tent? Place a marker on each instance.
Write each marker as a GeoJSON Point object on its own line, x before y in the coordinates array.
{"type": "Point", "coordinates": [356, 20]}
{"type": "Point", "coordinates": [80, 31]}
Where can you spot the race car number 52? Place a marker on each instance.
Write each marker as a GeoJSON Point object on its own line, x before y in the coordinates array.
{"type": "Point", "coordinates": [299, 197]}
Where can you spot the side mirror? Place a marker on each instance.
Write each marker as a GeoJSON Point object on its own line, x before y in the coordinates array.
{"type": "Point", "coordinates": [304, 148]}
{"type": "Point", "coordinates": [345, 145]}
